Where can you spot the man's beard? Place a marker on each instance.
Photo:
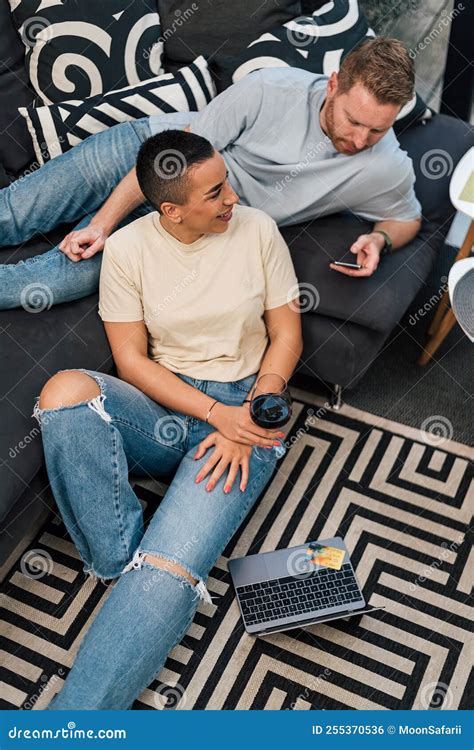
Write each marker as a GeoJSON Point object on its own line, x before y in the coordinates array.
{"type": "Point", "coordinates": [339, 143]}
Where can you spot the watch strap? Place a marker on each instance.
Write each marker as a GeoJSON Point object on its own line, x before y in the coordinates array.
{"type": "Point", "coordinates": [388, 247]}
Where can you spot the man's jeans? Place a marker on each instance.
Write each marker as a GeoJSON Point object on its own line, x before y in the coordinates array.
{"type": "Point", "coordinates": [67, 189]}
{"type": "Point", "coordinates": [90, 448]}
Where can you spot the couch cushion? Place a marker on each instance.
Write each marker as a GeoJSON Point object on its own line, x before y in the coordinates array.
{"type": "Point", "coordinates": [16, 149]}
{"type": "Point", "coordinates": [219, 30]}
{"type": "Point", "coordinates": [376, 302]}
{"type": "Point", "coordinates": [79, 49]}
{"type": "Point", "coordinates": [435, 148]}
{"type": "Point", "coordinates": [34, 347]}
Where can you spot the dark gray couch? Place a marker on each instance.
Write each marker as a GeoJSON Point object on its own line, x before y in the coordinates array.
{"type": "Point", "coordinates": [342, 336]}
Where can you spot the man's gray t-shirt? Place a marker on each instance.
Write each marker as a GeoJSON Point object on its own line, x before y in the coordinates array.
{"type": "Point", "coordinates": [267, 129]}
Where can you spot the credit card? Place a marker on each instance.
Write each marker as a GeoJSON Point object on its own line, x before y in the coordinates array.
{"type": "Point", "coordinates": [328, 557]}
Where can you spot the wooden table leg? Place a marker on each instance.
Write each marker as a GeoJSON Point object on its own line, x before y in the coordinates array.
{"type": "Point", "coordinates": [437, 339]}
{"type": "Point", "coordinates": [443, 304]}
{"type": "Point", "coordinates": [444, 318]}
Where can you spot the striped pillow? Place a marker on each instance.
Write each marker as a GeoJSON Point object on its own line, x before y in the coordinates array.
{"type": "Point", "coordinates": [56, 128]}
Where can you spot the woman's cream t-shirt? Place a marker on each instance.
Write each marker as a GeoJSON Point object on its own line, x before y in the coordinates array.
{"type": "Point", "coordinates": [202, 303]}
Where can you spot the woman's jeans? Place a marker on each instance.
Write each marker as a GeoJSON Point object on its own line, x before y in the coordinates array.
{"type": "Point", "coordinates": [90, 448]}
{"type": "Point", "coordinates": [67, 189]}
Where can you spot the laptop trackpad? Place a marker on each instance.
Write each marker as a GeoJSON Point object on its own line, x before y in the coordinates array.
{"type": "Point", "coordinates": [247, 570]}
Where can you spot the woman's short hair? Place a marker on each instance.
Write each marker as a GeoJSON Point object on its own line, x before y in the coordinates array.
{"type": "Point", "coordinates": [164, 163]}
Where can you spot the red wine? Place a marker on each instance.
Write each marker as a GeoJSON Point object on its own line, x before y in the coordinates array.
{"type": "Point", "coordinates": [270, 410]}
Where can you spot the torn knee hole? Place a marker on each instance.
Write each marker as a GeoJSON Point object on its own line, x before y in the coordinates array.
{"type": "Point", "coordinates": [161, 562]}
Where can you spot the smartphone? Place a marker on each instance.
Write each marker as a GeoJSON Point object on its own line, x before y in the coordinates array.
{"type": "Point", "coordinates": [347, 265]}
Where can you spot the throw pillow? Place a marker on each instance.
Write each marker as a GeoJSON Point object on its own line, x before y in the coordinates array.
{"type": "Point", "coordinates": [77, 48]}
{"type": "Point", "coordinates": [56, 128]}
{"type": "Point", "coordinates": [217, 29]}
{"type": "Point", "coordinates": [318, 43]}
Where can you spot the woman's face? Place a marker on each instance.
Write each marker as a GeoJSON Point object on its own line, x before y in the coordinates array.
{"type": "Point", "coordinates": [210, 199]}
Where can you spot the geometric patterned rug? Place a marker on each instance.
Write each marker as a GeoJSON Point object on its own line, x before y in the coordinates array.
{"type": "Point", "coordinates": [402, 499]}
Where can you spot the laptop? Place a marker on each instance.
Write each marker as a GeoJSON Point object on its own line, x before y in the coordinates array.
{"type": "Point", "coordinates": [296, 587]}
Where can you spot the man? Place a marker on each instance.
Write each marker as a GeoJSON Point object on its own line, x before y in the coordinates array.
{"type": "Point", "coordinates": [297, 145]}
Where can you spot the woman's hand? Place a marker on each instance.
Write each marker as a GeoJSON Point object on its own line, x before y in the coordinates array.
{"type": "Point", "coordinates": [225, 454]}
{"type": "Point", "coordinates": [235, 423]}
{"type": "Point", "coordinates": [83, 243]}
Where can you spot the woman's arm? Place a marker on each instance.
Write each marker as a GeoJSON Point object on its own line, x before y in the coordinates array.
{"type": "Point", "coordinates": [281, 357]}
{"type": "Point", "coordinates": [129, 345]}
{"type": "Point", "coordinates": [286, 340]}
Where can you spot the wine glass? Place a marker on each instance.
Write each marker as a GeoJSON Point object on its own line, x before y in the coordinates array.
{"type": "Point", "coordinates": [270, 408]}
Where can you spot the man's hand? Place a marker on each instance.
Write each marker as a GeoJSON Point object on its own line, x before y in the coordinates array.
{"type": "Point", "coordinates": [225, 454]}
{"type": "Point", "coordinates": [367, 248]}
{"type": "Point", "coordinates": [236, 424]}
{"type": "Point", "coordinates": [83, 243]}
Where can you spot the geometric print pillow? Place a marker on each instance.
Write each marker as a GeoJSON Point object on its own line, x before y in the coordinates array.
{"type": "Point", "coordinates": [80, 48]}
{"type": "Point", "coordinates": [318, 43]}
{"type": "Point", "coordinates": [56, 128]}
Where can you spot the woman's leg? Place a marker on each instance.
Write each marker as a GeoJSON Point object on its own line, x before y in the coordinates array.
{"type": "Point", "coordinates": [95, 429]}
{"type": "Point", "coordinates": [151, 607]}
{"type": "Point", "coordinates": [70, 186]}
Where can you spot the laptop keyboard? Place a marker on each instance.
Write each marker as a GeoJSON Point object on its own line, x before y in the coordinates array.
{"type": "Point", "coordinates": [286, 597]}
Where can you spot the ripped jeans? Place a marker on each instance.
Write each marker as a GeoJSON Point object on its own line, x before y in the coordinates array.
{"type": "Point", "coordinates": [90, 448]}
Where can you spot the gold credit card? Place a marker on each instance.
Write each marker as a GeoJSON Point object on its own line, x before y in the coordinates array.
{"type": "Point", "coordinates": [329, 557]}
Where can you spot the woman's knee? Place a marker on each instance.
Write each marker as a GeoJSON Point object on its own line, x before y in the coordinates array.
{"type": "Point", "coordinates": [68, 388]}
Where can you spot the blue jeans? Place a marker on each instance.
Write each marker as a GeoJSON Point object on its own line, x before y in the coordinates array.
{"type": "Point", "coordinates": [67, 189]}
{"type": "Point", "coordinates": [90, 448]}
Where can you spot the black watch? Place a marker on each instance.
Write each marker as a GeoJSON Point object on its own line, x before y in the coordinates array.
{"type": "Point", "coordinates": [388, 247]}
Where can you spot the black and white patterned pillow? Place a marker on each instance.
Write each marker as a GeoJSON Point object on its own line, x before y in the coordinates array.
{"type": "Point", "coordinates": [318, 43]}
{"type": "Point", "coordinates": [56, 128]}
{"type": "Point", "coordinates": [81, 48]}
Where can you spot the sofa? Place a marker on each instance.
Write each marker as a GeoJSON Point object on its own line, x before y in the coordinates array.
{"type": "Point", "coordinates": [342, 335]}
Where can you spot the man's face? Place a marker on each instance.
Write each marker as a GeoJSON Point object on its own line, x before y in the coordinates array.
{"type": "Point", "coordinates": [355, 120]}
{"type": "Point", "coordinates": [210, 199]}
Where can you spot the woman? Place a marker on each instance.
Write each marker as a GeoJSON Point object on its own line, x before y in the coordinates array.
{"type": "Point", "coordinates": [197, 299]}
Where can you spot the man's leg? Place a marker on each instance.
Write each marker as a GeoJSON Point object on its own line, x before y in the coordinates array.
{"type": "Point", "coordinates": [72, 185]}
{"type": "Point", "coordinates": [50, 278]}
